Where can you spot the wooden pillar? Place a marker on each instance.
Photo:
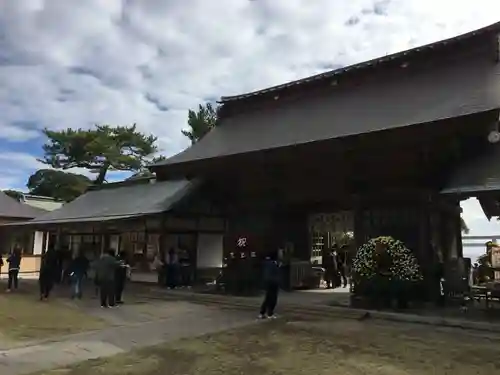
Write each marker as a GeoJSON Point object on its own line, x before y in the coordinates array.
{"type": "Point", "coordinates": [58, 238]}
{"type": "Point", "coordinates": [103, 244]}
{"type": "Point", "coordinates": [146, 241]}
{"type": "Point", "coordinates": [425, 248]}
{"type": "Point", "coordinates": [458, 229]}
{"type": "Point", "coordinates": [163, 229]}
{"type": "Point", "coordinates": [359, 232]}
{"type": "Point", "coordinates": [45, 242]}
{"type": "Point", "coordinates": [119, 242]}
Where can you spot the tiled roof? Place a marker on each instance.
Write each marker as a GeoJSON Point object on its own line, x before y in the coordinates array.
{"type": "Point", "coordinates": [120, 202]}
{"type": "Point", "coordinates": [11, 208]}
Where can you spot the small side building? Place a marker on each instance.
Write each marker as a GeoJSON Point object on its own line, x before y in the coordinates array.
{"type": "Point", "coordinates": [143, 217]}
{"type": "Point", "coordinates": [30, 242]}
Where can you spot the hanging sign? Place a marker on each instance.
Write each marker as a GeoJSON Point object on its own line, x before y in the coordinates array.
{"type": "Point", "coordinates": [495, 260]}
{"type": "Point", "coordinates": [241, 242]}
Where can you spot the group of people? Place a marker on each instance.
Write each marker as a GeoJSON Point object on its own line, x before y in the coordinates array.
{"type": "Point", "coordinates": [174, 269]}
{"type": "Point", "coordinates": [55, 269]}
{"type": "Point", "coordinates": [335, 263]}
{"type": "Point", "coordinates": [110, 278]}
{"type": "Point", "coordinates": [110, 275]}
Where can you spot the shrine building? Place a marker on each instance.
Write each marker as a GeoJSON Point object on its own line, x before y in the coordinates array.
{"type": "Point", "coordinates": [384, 147]}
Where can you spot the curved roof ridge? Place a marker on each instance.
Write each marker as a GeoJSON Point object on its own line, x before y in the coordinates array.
{"type": "Point", "coordinates": [364, 64]}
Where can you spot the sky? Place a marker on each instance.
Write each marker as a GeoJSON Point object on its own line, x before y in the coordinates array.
{"type": "Point", "coordinates": [74, 63]}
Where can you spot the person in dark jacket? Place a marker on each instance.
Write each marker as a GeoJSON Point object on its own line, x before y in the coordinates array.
{"type": "Point", "coordinates": [77, 270]}
{"type": "Point", "coordinates": [342, 266]}
{"type": "Point", "coordinates": [105, 269]}
{"type": "Point", "coordinates": [172, 262]}
{"type": "Point", "coordinates": [121, 276]}
{"type": "Point", "coordinates": [1, 263]}
{"type": "Point", "coordinates": [271, 276]}
{"type": "Point", "coordinates": [48, 273]}
{"type": "Point", "coordinates": [14, 261]}
{"type": "Point", "coordinates": [329, 264]}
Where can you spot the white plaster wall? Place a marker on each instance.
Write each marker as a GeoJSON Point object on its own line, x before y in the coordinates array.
{"type": "Point", "coordinates": [38, 243]}
{"type": "Point", "coordinates": [46, 245]}
{"type": "Point", "coordinates": [75, 243]}
{"type": "Point", "coordinates": [209, 250]}
{"type": "Point", "coordinates": [114, 242]}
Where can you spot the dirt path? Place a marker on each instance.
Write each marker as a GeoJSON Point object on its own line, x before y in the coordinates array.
{"type": "Point", "coordinates": [130, 327]}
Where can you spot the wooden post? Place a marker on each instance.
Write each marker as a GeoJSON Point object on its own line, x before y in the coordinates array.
{"type": "Point", "coordinates": [145, 243]}
{"type": "Point", "coordinates": [424, 240]}
{"type": "Point", "coordinates": [119, 242]}
{"type": "Point", "coordinates": [359, 233]}
{"type": "Point", "coordinates": [58, 238]}
{"type": "Point", "coordinates": [458, 229]}
{"type": "Point", "coordinates": [161, 245]}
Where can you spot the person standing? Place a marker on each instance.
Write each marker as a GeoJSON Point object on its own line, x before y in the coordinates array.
{"type": "Point", "coordinates": [47, 276]}
{"type": "Point", "coordinates": [271, 273]}
{"type": "Point", "coordinates": [106, 272]}
{"type": "Point", "coordinates": [342, 267]}
{"type": "Point", "coordinates": [121, 276]}
{"type": "Point", "coordinates": [160, 267]}
{"type": "Point", "coordinates": [329, 266]}
{"type": "Point", "coordinates": [14, 261]}
{"type": "Point", "coordinates": [172, 262]}
{"type": "Point", "coordinates": [77, 270]}
{"type": "Point", "coordinates": [184, 269]}
{"type": "Point", "coordinates": [1, 264]}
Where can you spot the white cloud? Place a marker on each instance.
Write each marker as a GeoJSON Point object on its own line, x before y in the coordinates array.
{"type": "Point", "coordinates": [72, 63]}
{"type": "Point", "coordinates": [478, 226]}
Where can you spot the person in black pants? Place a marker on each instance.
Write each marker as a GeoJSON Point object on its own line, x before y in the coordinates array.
{"type": "Point", "coordinates": [47, 275]}
{"type": "Point", "coordinates": [107, 293]}
{"type": "Point", "coordinates": [121, 276]}
{"type": "Point", "coordinates": [106, 274]}
{"type": "Point", "coordinates": [172, 263]}
{"type": "Point", "coordinates": [342, 266]}
{"type": "Point", "coordinates": [14, 261]}
{"type": "Point", "coordinates": [271, 273]}
{"type": "Point", "coordinates": [76, 270]}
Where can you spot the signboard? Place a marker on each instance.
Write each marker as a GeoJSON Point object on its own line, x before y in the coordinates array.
{"type": "Point", "coordinates": [495, 260]}
{"type": "Point", "coordinates": [241, 242]}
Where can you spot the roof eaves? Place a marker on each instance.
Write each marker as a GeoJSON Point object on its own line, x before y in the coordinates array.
{"type": "Point", "coordinates": [70, 220]}
{"type": "Point", "coordinates": [365, 64]}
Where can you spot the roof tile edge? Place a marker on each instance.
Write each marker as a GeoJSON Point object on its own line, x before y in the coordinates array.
{"type": "Point", "coordinates": [336, 72]}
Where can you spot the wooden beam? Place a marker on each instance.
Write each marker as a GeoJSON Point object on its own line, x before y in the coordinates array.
{"type": "Point", "coordinates": [487, 238]}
